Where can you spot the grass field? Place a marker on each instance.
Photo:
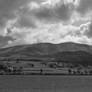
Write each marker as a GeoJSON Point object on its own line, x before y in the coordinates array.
{"type": "Point", "coordinates": [17, 83]}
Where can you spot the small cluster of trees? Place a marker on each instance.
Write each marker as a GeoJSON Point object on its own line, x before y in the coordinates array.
{"type": "Point", "coordinates": [56, 65]}
{"type": "Point", "coordinates": [79, 72]}
{"type": "Point", "coordinates": [5, 69]}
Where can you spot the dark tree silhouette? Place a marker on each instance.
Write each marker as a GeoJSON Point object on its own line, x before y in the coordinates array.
{"type": "Point", "coordinates": [90, 72]}
{"type": "Point", "coordinates": [78, 72]}
{"type": "Point", "coordinates": [41, 71]}
{"type": "Point", "coordinates": [5, 69]}
{"type": "Point", "coordinates": [52, 65]}
{"type": "Point", "coordinates": [2, 67]}
{"type": "Point", "coordinates": [85, 72]}
{"type": "Point", "coordinates": [17, 70]}
{"type": "Point", "coordinates": [74, 72]}
{"type": "Point", "coordinates": [31, 65]}
{"type": "Point", "coordinates": [69, 71]}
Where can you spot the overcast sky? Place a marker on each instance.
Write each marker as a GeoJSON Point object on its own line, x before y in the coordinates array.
{"type": "Point", "coordinates": [41, 21]}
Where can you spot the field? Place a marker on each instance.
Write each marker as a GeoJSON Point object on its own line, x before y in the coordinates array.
{"type": "Point", "coordinates": [20, 83]}
{"type": "Point", "coordinates": [43, 68]}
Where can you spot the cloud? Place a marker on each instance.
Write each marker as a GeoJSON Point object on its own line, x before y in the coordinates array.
{"type": "Point", "coordinates": [88, 30]}
{"type": "Point", "coordinates": [8, 12]}
{"type": "Point", "coordinates": [8, 9]}
{"type": "Point", "coordinates": [54, 21]}
{"type": "Point", "coordinates": [58, 12]}
{"type": "Point", "coordinates": [54, 33]}
{"type": "Point", "coordinates": [85, 6]}
{"type": "Point", "coordinates": [26, 20]}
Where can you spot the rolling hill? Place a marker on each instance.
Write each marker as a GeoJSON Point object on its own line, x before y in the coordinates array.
{"type": "Point", "coordinates": [65, 52]}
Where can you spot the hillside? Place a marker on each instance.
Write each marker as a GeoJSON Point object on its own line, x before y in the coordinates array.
{"type": "Point", "coordinates": [47, 59]}
{"type": "Point", "coordinates": [68, 52]}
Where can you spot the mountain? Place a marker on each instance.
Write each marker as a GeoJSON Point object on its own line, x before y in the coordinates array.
{"type": "Point", "coordinates": [67, 52]}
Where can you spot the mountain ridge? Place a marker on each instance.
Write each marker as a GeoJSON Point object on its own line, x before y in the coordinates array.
{"type": "Point", "coordinates": [47, 48]}
{"type": "Point", "coordinates": [66, 52]}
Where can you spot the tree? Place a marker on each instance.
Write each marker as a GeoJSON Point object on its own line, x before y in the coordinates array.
{"type": "Point", "coordinates": [78, 72]}
{"type": "Point", "coordinates": [17, 70]}
{"type": "Point", "coordinates": [90, 72]}
{"type": "Point", "coordinates": [31, 65]}
{"type": "Point", "coordinates": [85, 72]}
{"type": "Point", "coordinates": [69, 71]}
{"type": "Point", "coordinates": [52, 65]}
{"type": "Point", "coordinates": [2, 67]}
{"type": "Point", "coordinates": [74, 72]}
{"type": "Point", "coordinates": [41, 71]}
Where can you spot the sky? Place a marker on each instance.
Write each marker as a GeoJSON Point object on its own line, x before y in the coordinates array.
{"type": "Point", "coordinates": [45, 21]}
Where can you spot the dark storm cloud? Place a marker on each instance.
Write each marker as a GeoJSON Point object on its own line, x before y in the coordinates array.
{"type": "Point", "coordinates": [58, 13]}
{"type": "Point", "coordinates": [8, 9]}
{"type": "Point", "coordinates": [85, 6]}
{"type": "Point", "coordinates": [63, 12]}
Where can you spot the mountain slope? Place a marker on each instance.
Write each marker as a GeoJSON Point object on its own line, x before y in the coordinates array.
{"type": "Point", "coordinates": [67, 52]}
{"type": "Point", "coordinates": [47, 48]}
